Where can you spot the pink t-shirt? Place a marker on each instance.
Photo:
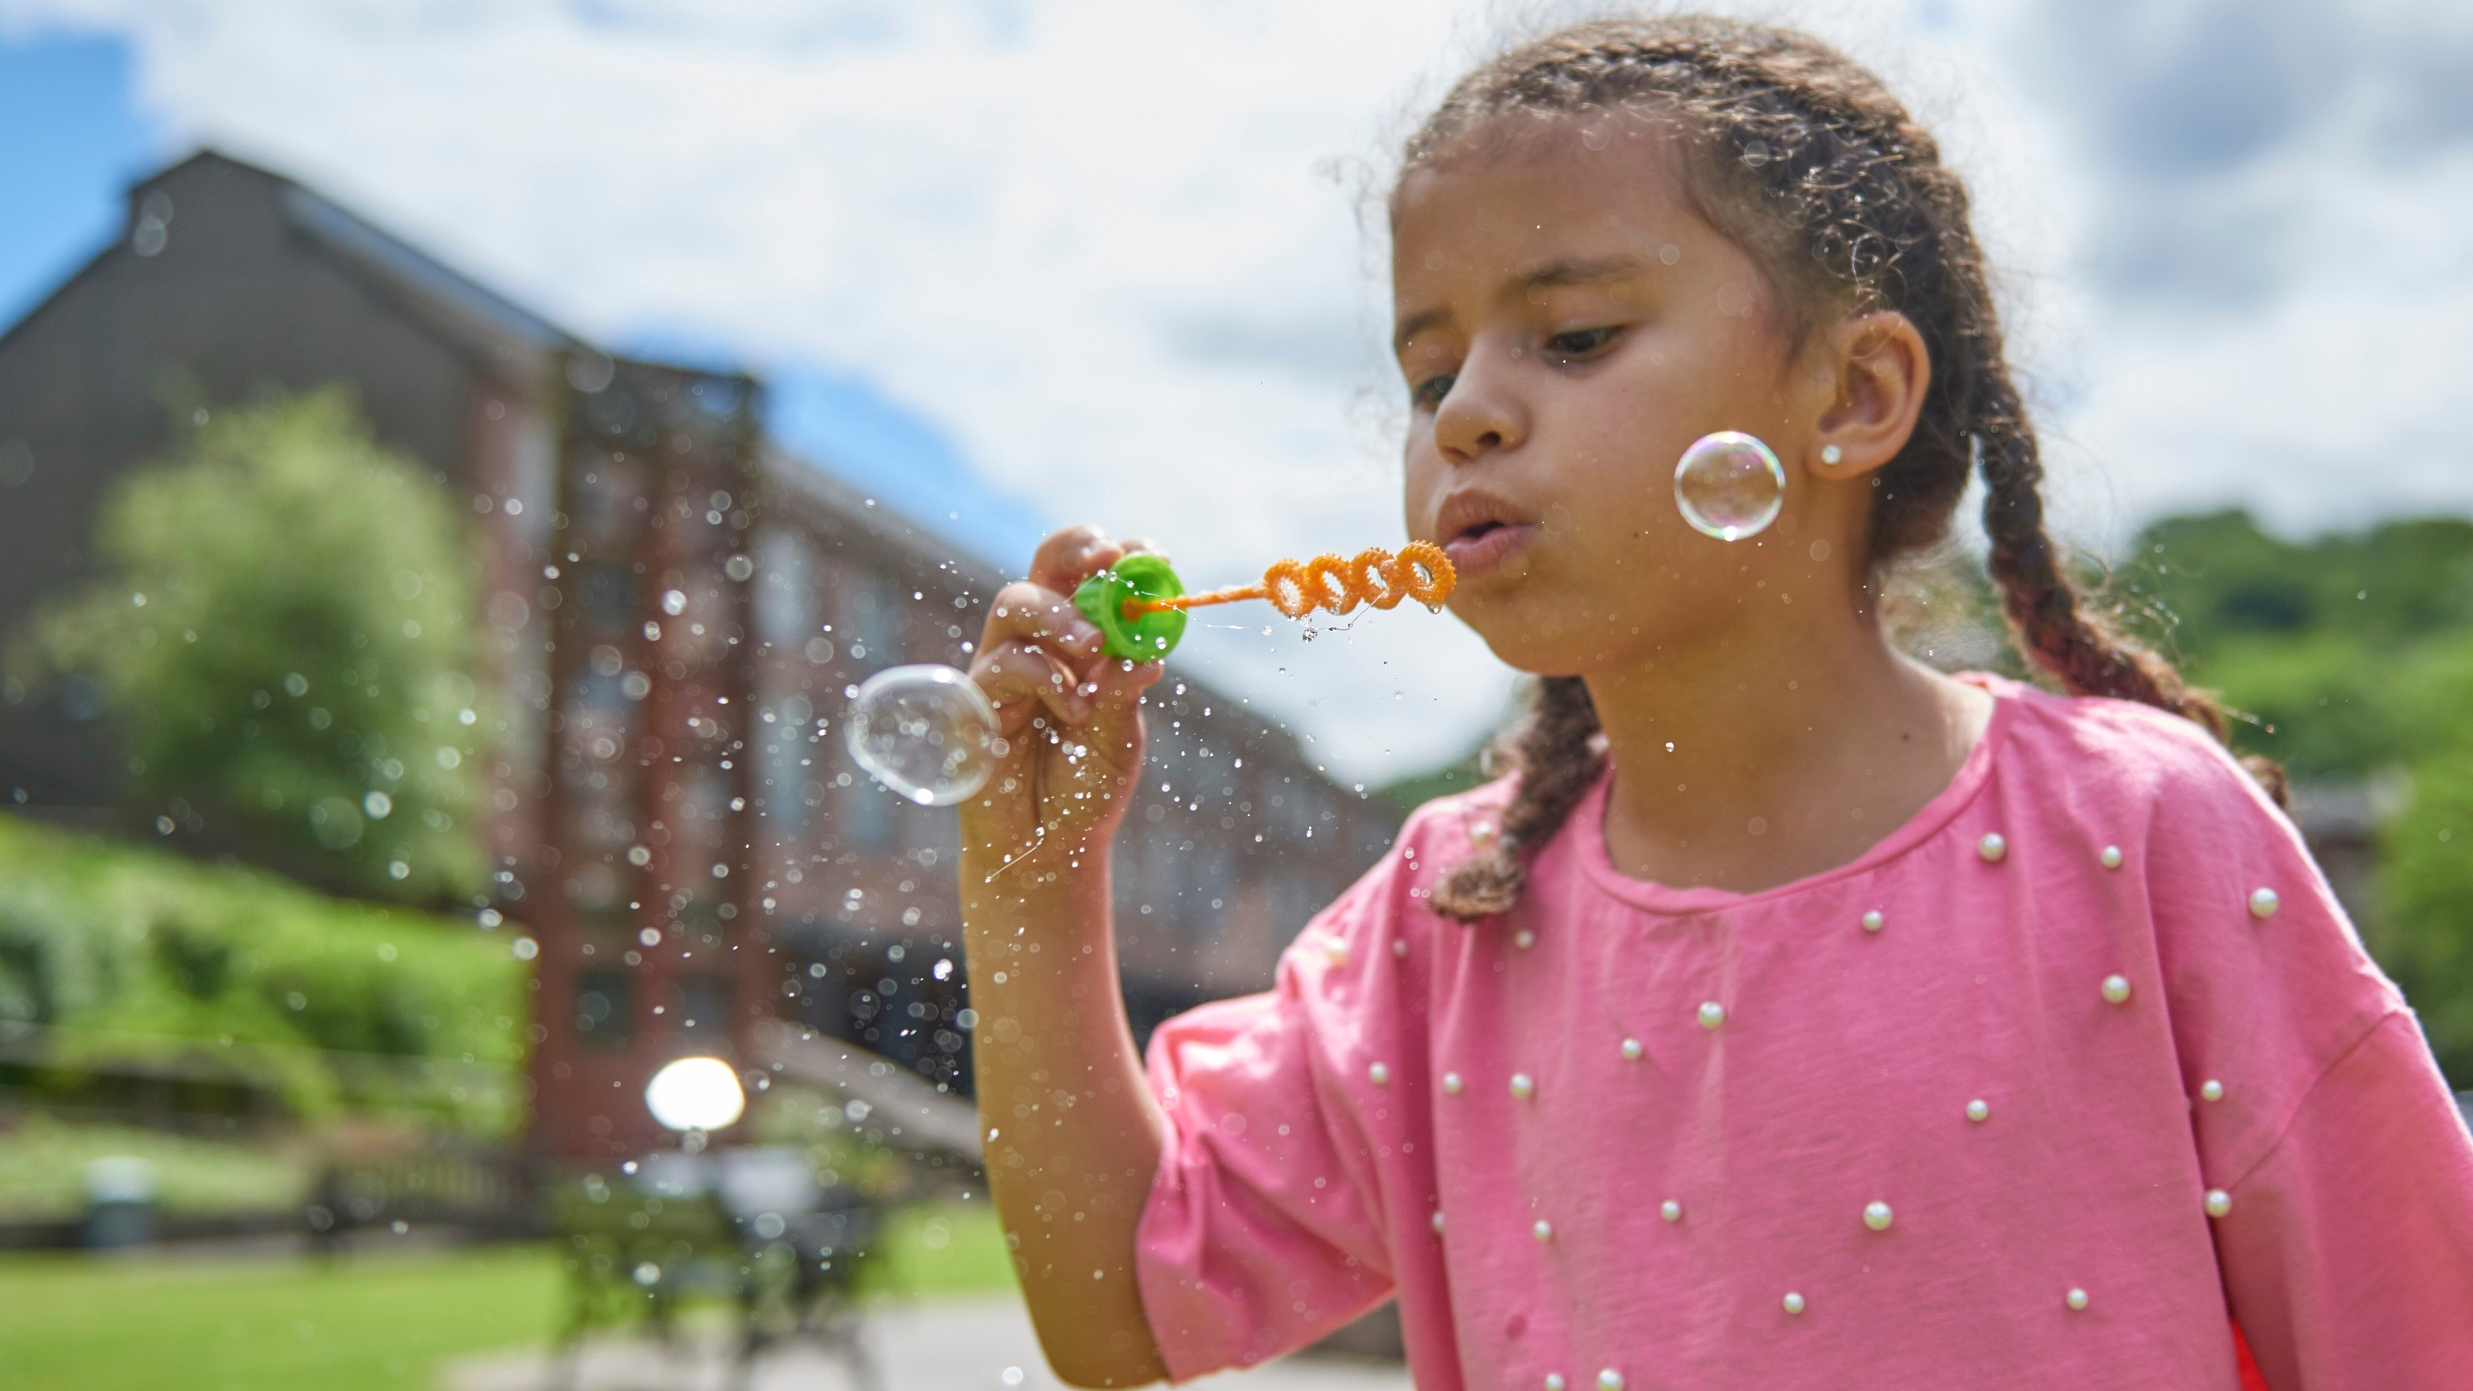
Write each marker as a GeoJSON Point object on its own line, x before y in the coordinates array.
{"type": "Point", "coordinates": [2050, 1087]}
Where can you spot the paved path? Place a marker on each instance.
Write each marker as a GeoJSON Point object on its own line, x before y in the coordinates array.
{"type": "Point", "coordinates": [980, 1345]}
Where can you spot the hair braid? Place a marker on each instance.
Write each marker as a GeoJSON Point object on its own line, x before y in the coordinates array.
{"type": "Point", "coordinates": [2081, 649]}
{"type": "Point", "coordinates": [1802, 157]}
{"type": "Point", "coordinates": [1558, 756]}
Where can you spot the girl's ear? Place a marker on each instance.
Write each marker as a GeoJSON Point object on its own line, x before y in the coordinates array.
{"type": "Point", "coordinates": [1881, 370]}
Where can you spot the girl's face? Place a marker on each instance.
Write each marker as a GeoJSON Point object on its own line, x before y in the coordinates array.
{"type": "Point", "coordinates": [1567, 326]}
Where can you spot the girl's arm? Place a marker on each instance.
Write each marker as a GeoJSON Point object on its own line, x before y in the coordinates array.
{"type": "Point", "coordinates": [1072, 1133]}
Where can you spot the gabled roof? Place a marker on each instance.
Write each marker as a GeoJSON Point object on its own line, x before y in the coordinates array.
{"type": "Point", "coordinates": [446, 291]}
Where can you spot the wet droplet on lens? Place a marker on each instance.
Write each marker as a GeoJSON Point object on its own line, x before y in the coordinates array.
{"type": "Point", "coordinates": [924, 731]}
{"type": "Point", "coordinates": [1729, 485]}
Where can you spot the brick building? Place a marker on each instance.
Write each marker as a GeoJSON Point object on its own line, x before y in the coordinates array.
{"type": "Point", "coordinates": [674, 610]}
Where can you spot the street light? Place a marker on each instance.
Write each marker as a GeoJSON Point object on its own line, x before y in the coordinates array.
{"type": "Point", "coordinates": [694, 1096]}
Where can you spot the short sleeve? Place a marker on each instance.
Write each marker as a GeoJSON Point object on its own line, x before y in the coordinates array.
{"type": "Point", "coordinates": [2348, 1249]}
{"type": "Point", "coordinates": [2340, 1174]}
{"type": "Point", "coordinates": [1265, 1227]}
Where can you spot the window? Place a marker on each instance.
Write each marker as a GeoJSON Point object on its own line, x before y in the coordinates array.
{"type": "Point", "coordinates": [789, 741]}
{"type": "Point", "coordinates": [704, 1006]}
{"type": "Point", "coordinates": [604, 593]}
{"type": "Point", "coordinates": [870, 605]}
{"type": "Point", "coordinates": [787, 611]}
{"type": "Point", "coordinates": [865, 816]}
{"type": "Point", "coordinates": [604, 1004]}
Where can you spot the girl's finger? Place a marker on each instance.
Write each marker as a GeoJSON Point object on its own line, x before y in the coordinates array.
{"type": "Point", "coordinates": [1027, 612]}
{"type": "Point", "coordinates": [1019, 678]}
{"type": "Point", "coordinates": [1072, 556]}
{"type": "Point", "coordinates": [1116, 684]}
{"type": "Point", "coordinates": [1114, 690]}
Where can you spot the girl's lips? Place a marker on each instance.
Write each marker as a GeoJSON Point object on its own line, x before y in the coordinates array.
{"type": "Point", "coordinates": [1474, 555]}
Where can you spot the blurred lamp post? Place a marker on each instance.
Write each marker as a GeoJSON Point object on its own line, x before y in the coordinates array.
{"type": "Point", "coordinates": [695, 1096]}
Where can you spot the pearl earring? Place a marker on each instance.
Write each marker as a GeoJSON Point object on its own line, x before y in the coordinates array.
{"type": "Point", "coordinates": [1830, 453]}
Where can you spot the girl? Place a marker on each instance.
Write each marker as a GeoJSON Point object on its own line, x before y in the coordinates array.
{"type": "Point", "coordinates": [1793, 1015]}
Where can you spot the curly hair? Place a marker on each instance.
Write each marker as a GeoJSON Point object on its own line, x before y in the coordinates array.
{"type": "Point", "coordinates": [1801, 156]}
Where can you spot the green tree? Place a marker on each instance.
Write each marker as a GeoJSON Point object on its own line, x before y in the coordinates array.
{"type": "Point", "coordinates": [2423, 934]}
{"type": "Point", "coordinates": [280, 631]}
{"type": "Point", "coordinates": [2305, 639]}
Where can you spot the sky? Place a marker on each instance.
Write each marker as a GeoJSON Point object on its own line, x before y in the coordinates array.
{"type": "Point", "coordinates": [1111, 260]}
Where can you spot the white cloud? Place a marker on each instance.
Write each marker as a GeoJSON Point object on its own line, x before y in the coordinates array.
{"type": "Point", "coordinates": [1095, 240]}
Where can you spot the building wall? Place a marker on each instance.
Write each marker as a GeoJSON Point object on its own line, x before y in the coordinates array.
{"type": "Point", "coordinates": [639, 896]}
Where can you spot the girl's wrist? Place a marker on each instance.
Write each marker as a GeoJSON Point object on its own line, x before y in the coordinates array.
{"type": "Point", "coordinates": [1045, 878]}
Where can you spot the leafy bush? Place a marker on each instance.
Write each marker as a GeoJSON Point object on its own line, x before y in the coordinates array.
{"type": "Point", "coordinates": [43, 1169]}
{"type": "Point", "coordinates": [133, 956]}
{"type": "Point", "coordinates": [2424, 932]}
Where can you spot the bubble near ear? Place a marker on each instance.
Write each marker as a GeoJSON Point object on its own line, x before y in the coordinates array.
{"type": "Point", "coordinates": [1729, 485]}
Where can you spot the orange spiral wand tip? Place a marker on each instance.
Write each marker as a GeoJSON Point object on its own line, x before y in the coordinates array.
{"type": "Point", "coordinates": [1372, 576]}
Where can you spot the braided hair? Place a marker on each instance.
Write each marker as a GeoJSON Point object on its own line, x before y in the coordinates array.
{"type": "Point", "coordinates": [1799, 155]}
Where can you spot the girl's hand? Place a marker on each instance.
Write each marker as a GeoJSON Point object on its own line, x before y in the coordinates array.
{"type": "Point", "coordinates": [1071, 718]}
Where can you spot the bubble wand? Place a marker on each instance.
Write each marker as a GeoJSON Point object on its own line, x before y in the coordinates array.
{"type": "Point", "coordinates": [1139, 604]}
{"type": "Point", "coordinates": [929, 734]}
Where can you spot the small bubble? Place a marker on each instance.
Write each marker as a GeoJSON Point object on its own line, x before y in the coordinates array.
{"type": "Point", "coordinates": [1729, 485]}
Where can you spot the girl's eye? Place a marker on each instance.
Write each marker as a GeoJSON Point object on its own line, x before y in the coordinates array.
{"type": "Point", "coordinates": [1581, 342]}
{"type": "Point", "coordinates": [1429, 393]}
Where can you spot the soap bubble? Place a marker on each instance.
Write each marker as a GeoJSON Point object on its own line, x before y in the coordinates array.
{"type": "Point", "coordinates": [1729, 485]}
{"type": "Point", "coordinates": [924, 731]}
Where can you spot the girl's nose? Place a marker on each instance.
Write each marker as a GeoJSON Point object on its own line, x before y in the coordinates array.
{"type": "Point", "coordinates": [1480, 415]}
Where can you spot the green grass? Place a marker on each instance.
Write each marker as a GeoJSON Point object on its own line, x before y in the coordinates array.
{"type": "Point", "coordinates": [947, 1248]}
{"type": "Point", "coordinates": [87, 1323]}
{"type": "Point", "coordinates": [82, 1323]}
{"type": "Point", "coordinates": [43, 1170]}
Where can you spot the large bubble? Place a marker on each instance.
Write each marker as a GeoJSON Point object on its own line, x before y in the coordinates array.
{"type": "Point", "coordinates": [924, 731]}
{"type": "Point", "coordinates": [1729, 485]}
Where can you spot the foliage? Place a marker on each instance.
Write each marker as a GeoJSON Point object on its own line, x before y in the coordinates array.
{"type": "Point", "coordinates": [1407, 794]}
{"type": "Point", "coordinates": [2315, 642]}
{"type": "Point", "coordinates": [2316, 702]}
{"type": "Point", "coordinates": [137, 956]}
{"type": "Point", "coordinates": [2217, 577]}
{"type": "Point", "coordinates": [43, 1169]}
{"type": "Point", "coordinates": [940, 1249]}
{"type": "Point", "coordinates": [2423, 934]}
{"type": "Point", "coordinates": [280, 630]}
